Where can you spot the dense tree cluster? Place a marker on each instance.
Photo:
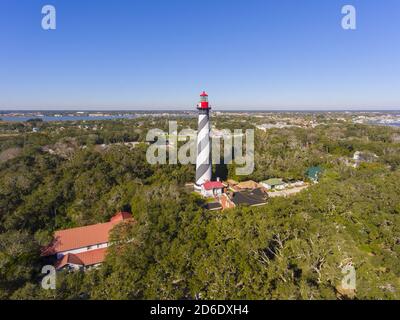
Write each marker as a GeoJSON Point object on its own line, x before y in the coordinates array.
{"type": "Point", "coordinates": [291, 248]}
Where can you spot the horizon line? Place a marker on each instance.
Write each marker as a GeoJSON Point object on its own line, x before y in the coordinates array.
{"type": "Point", "coordinates": [283, 109]}
{"type": "Point", "coordinates": [177, 109]}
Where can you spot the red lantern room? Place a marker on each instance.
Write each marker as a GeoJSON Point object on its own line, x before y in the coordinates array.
{"type": "Point", "coordinates": [203, 101]}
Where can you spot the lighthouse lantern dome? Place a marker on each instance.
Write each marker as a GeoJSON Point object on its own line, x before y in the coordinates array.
{"type": "Point", "coordinates": [204, 101]}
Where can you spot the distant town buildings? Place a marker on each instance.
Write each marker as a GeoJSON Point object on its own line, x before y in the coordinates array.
{"type": "Point", "coordinates": [280, 125]}
{"type": "Point", "coordinates": [390, 119]}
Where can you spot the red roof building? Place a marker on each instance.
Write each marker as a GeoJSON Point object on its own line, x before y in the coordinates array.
{"type": "Point", "coordinates": [212, 189]}
{"type": "Point", "coordinates": [210, 185]}
{"type": "Point", "coordinates": [83, 246]}
{"type": "Point", "coordinates": [85, 259]}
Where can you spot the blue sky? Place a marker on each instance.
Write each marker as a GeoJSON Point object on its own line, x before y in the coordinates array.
{"type": "Point", "coordinates": [160, 54]}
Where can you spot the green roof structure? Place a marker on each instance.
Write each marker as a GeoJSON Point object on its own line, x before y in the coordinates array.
{"type": "Point", "coordinates": [273, 182]}
{"type": "Point", "coordinates": [313, 173]}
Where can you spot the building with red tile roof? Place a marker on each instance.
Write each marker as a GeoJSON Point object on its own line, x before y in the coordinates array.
{"type": "Point", "coordinates": [84, 259]}
{"type": "Point", "coordinates": [209, 185]}
{"type": "Point", "coordinates": [212, 188]}
{"type": "Point", "coordinates": [83, 246]}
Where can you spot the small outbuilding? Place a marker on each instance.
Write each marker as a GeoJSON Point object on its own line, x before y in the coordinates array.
{"type": "Point", "coordinates": [248, 185]}
{"type": "Point", "coordinates": [213, 206]}
{"type": "Point", "coordinates": [274, 183]}
{"type": "Point", "coordinates": [256, 197]}
{"type": "Point", "coordinates": [212, 189]}
{"type": "Point", "coordinates": [314, 173]}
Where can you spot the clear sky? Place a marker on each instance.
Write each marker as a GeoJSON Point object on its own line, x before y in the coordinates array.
{"type": "Point", "coordinates": [160, 54]}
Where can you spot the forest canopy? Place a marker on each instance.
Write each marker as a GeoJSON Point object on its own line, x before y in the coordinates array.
{"type": "Point", "coordinates": [291, 248]}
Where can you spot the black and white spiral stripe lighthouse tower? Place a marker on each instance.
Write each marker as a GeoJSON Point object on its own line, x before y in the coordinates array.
{"type": "Point", "coordinates": [203, 160]}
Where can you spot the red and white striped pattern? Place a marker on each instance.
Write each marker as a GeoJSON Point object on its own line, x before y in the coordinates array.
{"type": "Point", "coordinates": [203, 160]}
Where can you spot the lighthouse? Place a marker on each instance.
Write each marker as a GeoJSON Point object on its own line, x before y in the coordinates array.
{"type": "Point", "coordinates": [203, 159]}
